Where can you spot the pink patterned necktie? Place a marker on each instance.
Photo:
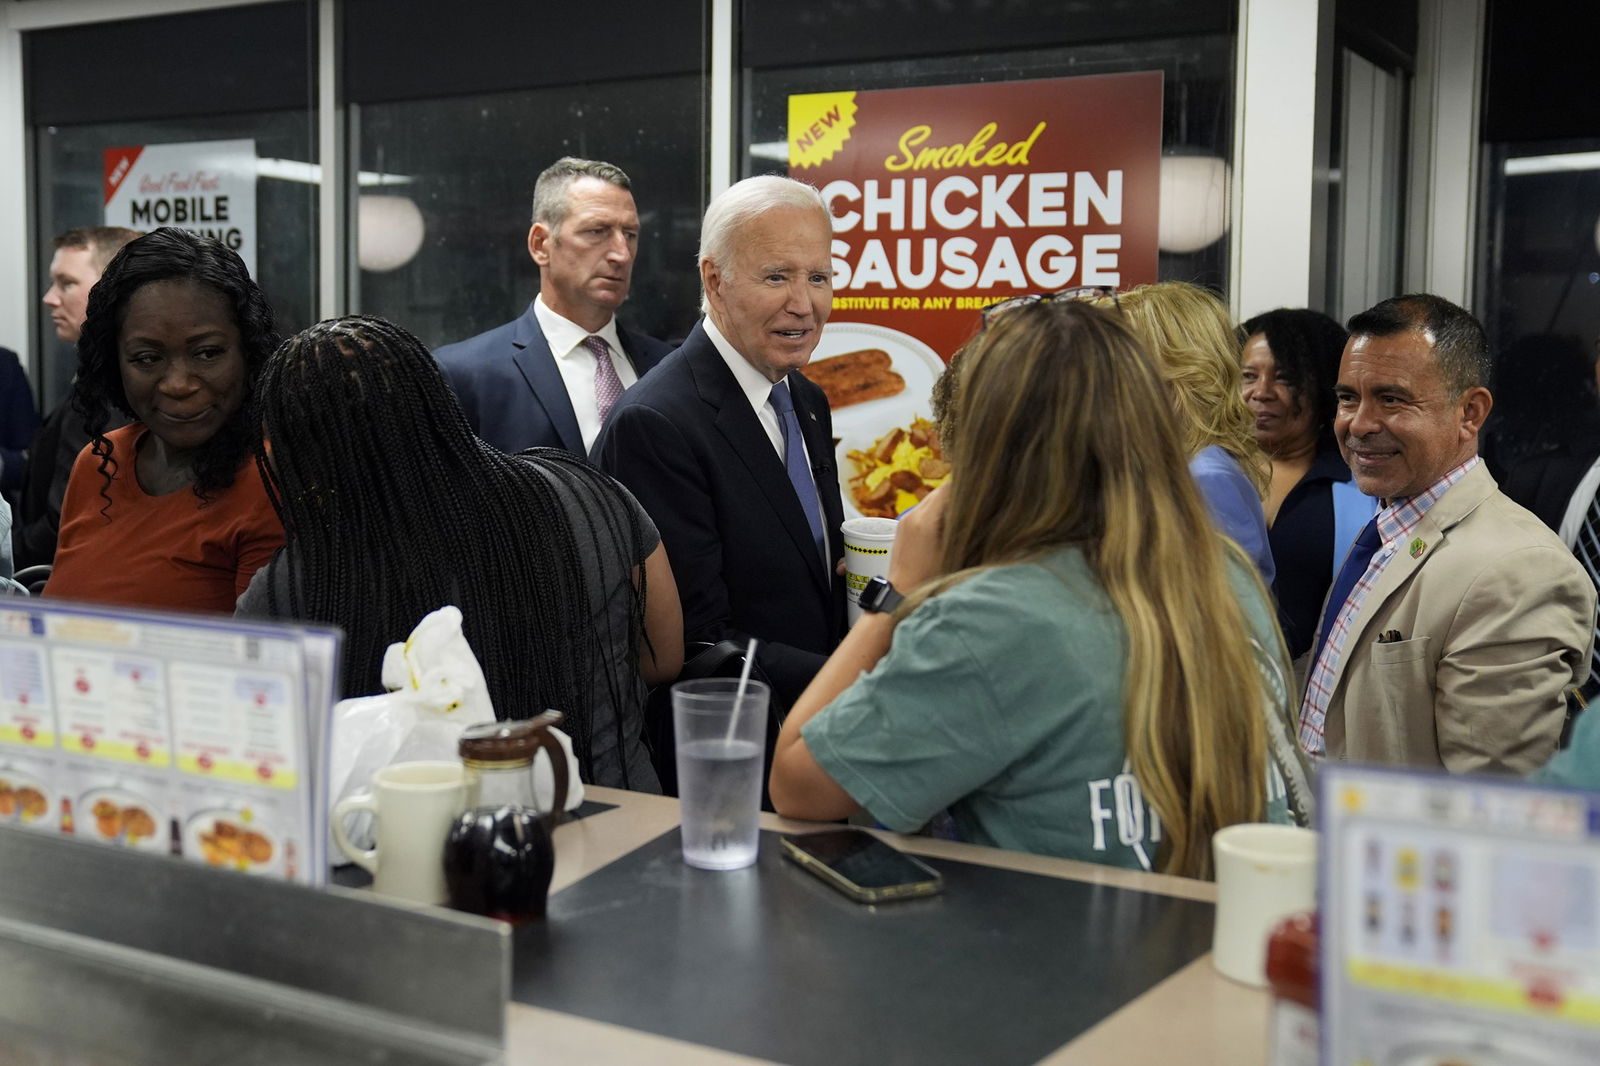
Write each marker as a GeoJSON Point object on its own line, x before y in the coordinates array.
{"type": "Point", "coordinates": [607, 386]}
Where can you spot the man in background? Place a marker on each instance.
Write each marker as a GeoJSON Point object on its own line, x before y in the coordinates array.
{"type": "Point", "coordinates": [550, 378]}
{"type": "Point", "coordinates": [730, 449]}
{"type": "Point", "coordinates": [80, 257]}
{"type": "Point", "coordinates": [1458, 620]}
{"type": "Point", "coordinates": [19, 421]}
{"type": "Point", "coordinates": [1561, 482]}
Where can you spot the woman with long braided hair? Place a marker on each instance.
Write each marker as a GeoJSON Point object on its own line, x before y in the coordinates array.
{"type": "Point", "coordinates": [392, 508]}
{"type": "Point", "coordinates": [168, 511]}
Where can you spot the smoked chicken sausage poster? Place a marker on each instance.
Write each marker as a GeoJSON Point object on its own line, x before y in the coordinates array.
{"type": "Point", "coordinates": [945, 200]}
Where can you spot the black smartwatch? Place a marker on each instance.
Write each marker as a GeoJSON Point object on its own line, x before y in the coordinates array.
{"type": "Point", "coordinates": [879, 597]}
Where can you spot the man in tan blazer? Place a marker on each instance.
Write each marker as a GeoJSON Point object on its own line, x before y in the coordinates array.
{"type": "Point", "coordinates": [1459, 619]}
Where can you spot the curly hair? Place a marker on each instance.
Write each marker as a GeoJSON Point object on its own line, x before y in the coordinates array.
{"type": "Point", "coordinates": [943, 400]}
{"type": "Point", "coordinates": [1196, 347]}
{"type": "Point", "coordinates": [1306, 348]}
{"type": "Point", "coordinates": [169, 254]}
{"type": "Point", "coordinates": [392, 507]}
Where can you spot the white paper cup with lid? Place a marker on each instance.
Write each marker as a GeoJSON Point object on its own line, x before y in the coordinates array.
{"type": "Point", "coordinates": [866, 555]}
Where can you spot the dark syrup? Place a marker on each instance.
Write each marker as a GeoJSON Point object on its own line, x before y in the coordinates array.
{"type": "Point", "coordinates": [498, 862]}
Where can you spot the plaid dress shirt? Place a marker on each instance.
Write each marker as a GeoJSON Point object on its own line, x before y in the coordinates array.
{"type": "Point", "coordinates": [1395, 523]}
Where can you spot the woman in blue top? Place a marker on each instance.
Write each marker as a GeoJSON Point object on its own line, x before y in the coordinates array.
{"type": "Point", "coordinates": [1314, 508]}
{"type": "Point", "coordinates": [1081, 666]}
{"type": "Point", "coordinates": [1189, 333]}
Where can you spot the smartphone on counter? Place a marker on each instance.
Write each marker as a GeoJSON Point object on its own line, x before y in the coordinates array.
{"type": "Point", "coordinates": [861, 866]}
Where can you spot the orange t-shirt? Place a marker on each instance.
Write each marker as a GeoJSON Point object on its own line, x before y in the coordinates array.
{"type": "Point", "coordinates": [172, 551]}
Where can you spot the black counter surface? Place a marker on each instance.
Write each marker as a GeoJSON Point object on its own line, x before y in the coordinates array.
{"type": "Point", "coordinates": [1003, 967]}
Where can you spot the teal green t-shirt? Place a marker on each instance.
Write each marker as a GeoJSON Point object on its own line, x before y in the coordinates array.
{"type": "Point", "coordinates": [1578, 764]}
{"type": "Point", "coordinates": [1001, 699]}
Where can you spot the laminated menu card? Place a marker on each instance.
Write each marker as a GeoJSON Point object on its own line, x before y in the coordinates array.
{"type": "Point", "coordinates": [1460, 921]}
{"type": "Point", "coordinates": [188, 735]}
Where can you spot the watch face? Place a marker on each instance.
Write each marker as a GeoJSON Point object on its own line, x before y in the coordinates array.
{"type": "Point", "coordinates": [879, 595]}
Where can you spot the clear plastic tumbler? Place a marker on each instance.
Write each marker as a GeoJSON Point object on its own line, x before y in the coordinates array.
{"type": "Point", "coordinates": [720, 741]}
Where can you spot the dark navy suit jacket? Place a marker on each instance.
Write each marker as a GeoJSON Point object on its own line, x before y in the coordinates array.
{"type": "Point", "coordinates": [1544, 483]}
{"type": "Point", "coordinates": [511, 389]}
{"type": "Point", "coordinates": [687, 444]}
{"type": "Point", "coordinates": [19, 420]}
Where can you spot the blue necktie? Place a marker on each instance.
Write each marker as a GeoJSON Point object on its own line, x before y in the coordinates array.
{"type": "Point", "coordinates": [1355, 564]}
{"type": "Point", "coordinates": [794, 461]}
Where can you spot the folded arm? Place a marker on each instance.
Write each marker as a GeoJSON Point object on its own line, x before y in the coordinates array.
{"type": "Point", "coordinates": [799, 786]}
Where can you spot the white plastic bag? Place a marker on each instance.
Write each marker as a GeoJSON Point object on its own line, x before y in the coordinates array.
{"type": "Point", "coordinates": [437, 690]}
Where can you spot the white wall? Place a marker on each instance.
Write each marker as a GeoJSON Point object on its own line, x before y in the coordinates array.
{"type": "Point", "coordinates": [1274, 152]}
{"type": "Point", "coordinates": [16, 249]}
{"type": "Point", "coordinates": [1443, 202]}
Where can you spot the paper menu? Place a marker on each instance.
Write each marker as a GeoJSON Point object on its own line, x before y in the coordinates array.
{"type": "Point", "coordinates": [235, 724]}
{"type": "Point", "coordinates": [1460, 921]}
{"type": "Point", "coordinates": [110, 704]}
{"type": "Point", "coordinates": [28, 790]}
{"type": "Point", "coordinates": [197, 736]}
{"type": "Point", "coordinates": [25, 716]}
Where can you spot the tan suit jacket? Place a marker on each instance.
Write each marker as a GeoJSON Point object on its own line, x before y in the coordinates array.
{"type": "Point", "coordinates": [1495, 618]}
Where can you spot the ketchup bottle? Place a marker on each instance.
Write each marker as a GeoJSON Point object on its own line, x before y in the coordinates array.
{"type": "Point", "coordinates": [1292, 972]}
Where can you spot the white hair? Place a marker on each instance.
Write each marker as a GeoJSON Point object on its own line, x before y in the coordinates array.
{"type": "Point", "coordinates": [740, 203]}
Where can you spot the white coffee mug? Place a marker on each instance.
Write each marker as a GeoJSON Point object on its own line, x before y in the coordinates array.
{"type": "Point", "coordinates": [414, 805]}
{"type": "Point", "coordinates": [1264, 874]}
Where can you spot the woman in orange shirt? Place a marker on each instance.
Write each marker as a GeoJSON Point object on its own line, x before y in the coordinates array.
{"type": "Point", "coordinates": [168, 511]}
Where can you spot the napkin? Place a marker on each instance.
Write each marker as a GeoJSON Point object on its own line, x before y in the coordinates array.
{"type": "Point", "coordinates": [437, 689]}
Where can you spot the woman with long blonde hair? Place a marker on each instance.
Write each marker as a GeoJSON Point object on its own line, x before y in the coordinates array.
{"type": "Point", "coordinates": [1196, 347]}
{"type": "Point", "coordinates": [1082, 667]}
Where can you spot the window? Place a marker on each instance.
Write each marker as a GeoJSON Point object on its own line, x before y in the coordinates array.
{"type": "Point", "coordinates": [247, 75]}
{"type": "Point", "coordinates": [457, 117]}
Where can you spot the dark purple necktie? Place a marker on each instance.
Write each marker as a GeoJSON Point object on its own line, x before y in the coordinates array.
{"type": "Point", "coordinates": [607, 386]}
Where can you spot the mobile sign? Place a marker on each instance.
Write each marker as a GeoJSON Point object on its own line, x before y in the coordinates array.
{"type": "Point", "coordinates": [208, 187]}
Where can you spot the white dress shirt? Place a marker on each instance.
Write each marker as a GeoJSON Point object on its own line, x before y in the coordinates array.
{"type": "Point", "coordinates": [758, 390]}
{"type": "Point", "coordinates": [1578, 505]}
{"type": "Point", "coordinates": [753, 383]}
{"type": "Point", "coordinates": [577, 363]}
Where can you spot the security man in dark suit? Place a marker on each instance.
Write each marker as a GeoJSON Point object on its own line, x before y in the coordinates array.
{"type": "Point", "coordinates": [550, 378]}
{"type": "Point", "coordinates": [731, 451]}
